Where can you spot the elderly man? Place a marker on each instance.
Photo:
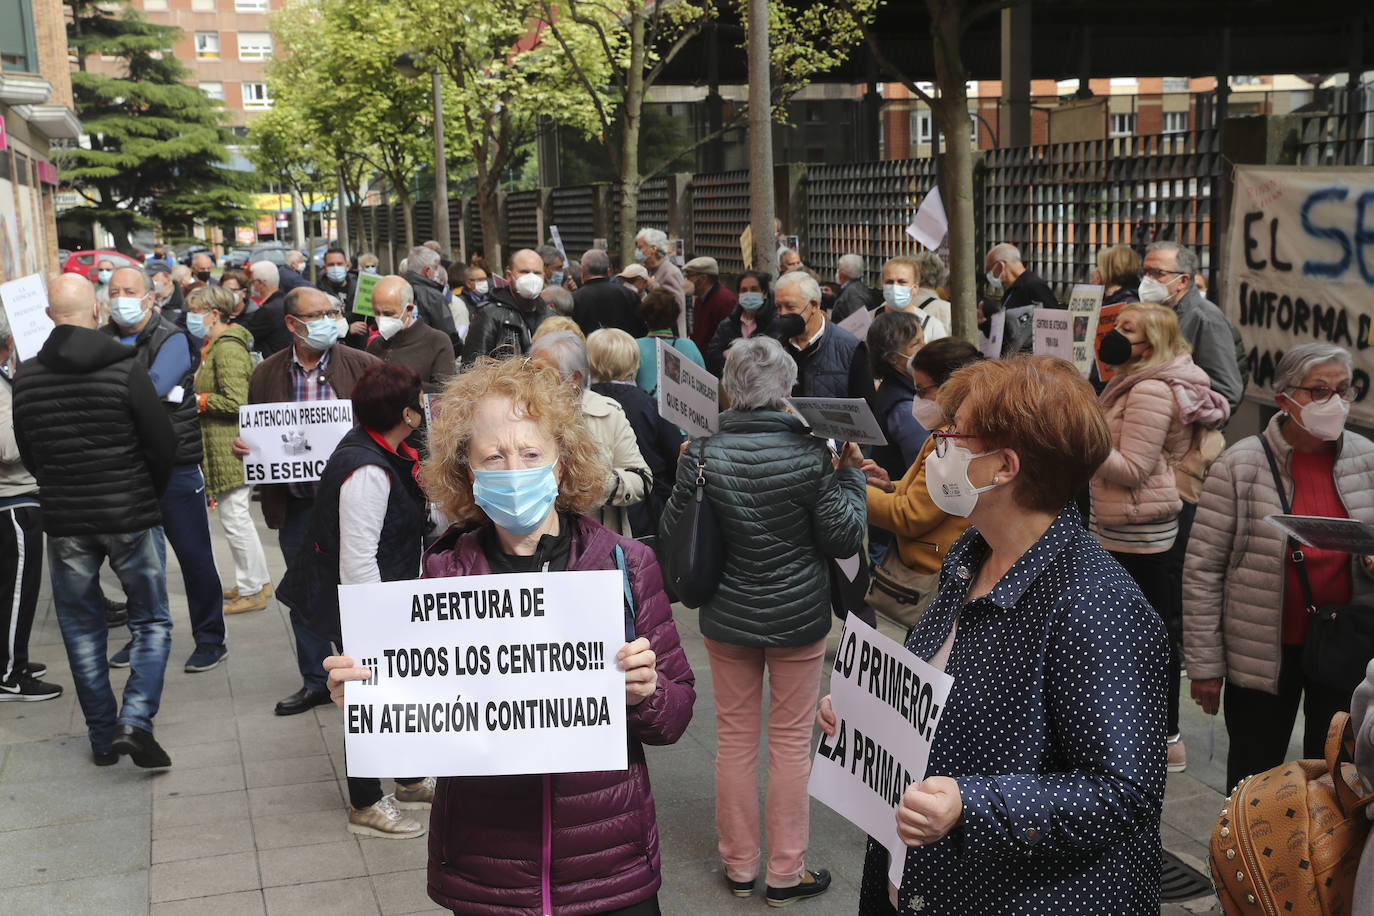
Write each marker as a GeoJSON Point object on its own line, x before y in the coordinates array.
{"type": "Point", "coordinates": [292, 273]}
{"type": "Point", "coordinates": [654, 251]}
{"type": "Point", "coordinates": [599, 303]}
{"type": "Point", "coordinates": [403, 338]}
{"type": "Point", "coordinates": [505, 326]}
{"type": "Point", "coordinates": [629, 480]}
{"type": "Point", "coordinates": [559, 300]}
{"type": "Point", "coordinates": [831, 362]}
{"type": "Point", "coordinates": [264, 313]}
{"type": "Point", "coordinates": [315, 367]}
{"type": "Point", "coordinates": [100, 503]}
{"type": "Point", "coordinates": [1167, 278]}
{"type": "Point", "coordinates": [554, 268]}
{"type": "Point", "coordinates": [428, 278]}
{"type": "Point", "coordinates": [201, 265]}
{"type": "Point", "coordinates": [171, 357]}
{"type": "Point", "coordinates": [1022, 293]}
{"type": "Point", "coordinates": [476, 288]}
{"type": "Point", "coordinates": [788, 259]}
{"type": "Point", "coordinates": [853, 294]}
{"type": "Point", "coordinates": [900, 284]}
{"type": "Point", "coordinates": [711, 302]}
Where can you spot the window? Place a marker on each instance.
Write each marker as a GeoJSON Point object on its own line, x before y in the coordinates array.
{"type": "Point", "coordinates": [1175, 84]}
{"type": "Point", "coordinates": [202, 6]}
{"type": "Point", "coordinates": [207, 45]}
{"type": "Point", "coordinates": [255, 45]}
{"type": "Point", "coordinates": [250, 6]}
{"type": "Point", "coordinates": [1245, 81]}
{"type": "Point", "coordinates": [1175, 122]}
{"type": "Point", "coordinates": [154, 6]}
{"type": "Point", "coordinates": [1123, 125]}
{"type": "Point", "coordinates": [920, 127]}
{"type": "Point", "coordinates": [18, 42]}
{"type": "Point", "coordinates": [255, 96]}
{"type": "Point", "coordinates": [213, 90]}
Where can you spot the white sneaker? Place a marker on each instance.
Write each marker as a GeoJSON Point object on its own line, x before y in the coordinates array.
{"type": "Point", "coordinates": [383, 820]}
{"type": "Point", "coordinates": [417, 797]}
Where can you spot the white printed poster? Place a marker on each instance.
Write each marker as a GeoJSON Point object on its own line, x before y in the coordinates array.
{"type": "Point", "coordinates": [841, 419]}
{"type": "Point", "coordinates": [858, 323]}
{"type": "Point", "coordinates": [1300, 268]}
{"type": "Point", "coordinates": [26, 306]}
{"type": "Point", "coordinates": [486, 675]}
{"type": "Point", "coordinates": [1085, 299]}
{"type": "Point", "coordinates": [687, 393]}
{"type": "Point", "coordinates": [990, 344]}
{"type": "Point", "coordinates": [887, 705]}
{"type": "Point", "coordinates": [1052, 334]}
{"type": "Point", "coordinates": [291, 441]}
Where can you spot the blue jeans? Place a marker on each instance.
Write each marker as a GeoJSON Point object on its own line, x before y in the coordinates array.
{"type": "Point", "coordinates": [311, 650]}
{"type": "Point", "coordinates": [187, 523]}
{"type": "Point", "coordinates": [74, 568]}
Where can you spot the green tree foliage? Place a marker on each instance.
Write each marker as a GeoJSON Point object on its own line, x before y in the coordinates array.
{"type": "Point", "coordinates": [157, 146]}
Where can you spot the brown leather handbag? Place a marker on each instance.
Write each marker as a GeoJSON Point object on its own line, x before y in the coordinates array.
{"type": "Point", "coordinates": [1289, 839]}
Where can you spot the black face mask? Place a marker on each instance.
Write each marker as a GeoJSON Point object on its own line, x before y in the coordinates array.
{"type": "Point", "coordinates": [790, 326]}
{"type": "Point", "coordinates": [203, 276]}
{"type": "Point", "coordinates": [1115, 349]}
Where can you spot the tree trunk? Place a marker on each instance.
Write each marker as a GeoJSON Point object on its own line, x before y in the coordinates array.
{"type": "Point", "coordinates": [341, 214]}
{"type": "Point", "coordinates": [761, 203]}
{"type": "Point", "coordinates": [953, 118]}
{"type": "Point", "coordinates": [629, 155]}
{"type": "Point", "coordinates": [488, 209]}
{"type": "Point", "coordinates": [408, 217]}
{"type": "Point", "coordinates": [119, 232]}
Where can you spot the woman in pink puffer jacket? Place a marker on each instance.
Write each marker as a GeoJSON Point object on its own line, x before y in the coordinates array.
{"type": "Point", "coordinates": [1155, 401]}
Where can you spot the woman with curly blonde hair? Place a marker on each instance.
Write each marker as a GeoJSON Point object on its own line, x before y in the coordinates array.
{"type": "Point", "coordinates": [511, 459]}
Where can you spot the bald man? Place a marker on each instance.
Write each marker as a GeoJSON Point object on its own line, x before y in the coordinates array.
{"type": "Point", "coordinates": [92, 430]}
{"type": "Point", "coordinates": [171, 357]}
{"type": "Point", "coordinates": [317, 366]}
{"type": "Point", "coordinates": [403, 338]}
{"type": "Point", "coordinates": [505, 326]}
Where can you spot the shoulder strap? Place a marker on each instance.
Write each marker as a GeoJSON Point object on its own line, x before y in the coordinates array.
{"type": "Point", "coordinates": [1299, 561]}
{"type": "Point", "coordinates": [629, 595]}
{"type": "Point", "coordinates": [927, 301]}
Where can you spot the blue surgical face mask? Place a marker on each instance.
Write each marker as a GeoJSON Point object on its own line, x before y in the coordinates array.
{"type": "Point", "coordinates": [639, 255]}
{"type": "Point", "coordinates": [336, 272]}
{"type": "Point", "coordinates": [370, 270]}
{"type": "Point", "coordinates": [556, 278]}
{"type": "Point", "coordinates": [751, 302]}
{"type": "Point", "coordinates": [195, 324]}
{"type": "Point", "coordinates": [104, 275]}
{"type": "Point", "coordinates": [517, 501]}
{"type": "Point", "coordinates": [323, 333]}
{"type": "Point", "coordinates": [896, 296]}
{"type": "Point", "coordinates": [127, 311]}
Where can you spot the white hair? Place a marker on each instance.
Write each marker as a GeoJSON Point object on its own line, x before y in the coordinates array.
{"type": "Point", "coordinates": [1006, 253]}
{"type": "Point", "coordinates": [421, 259]}
{"type": "Point", "coordinates": [809, 287]}
{"type": "Point", "coordinates": [759, 373]}
{"type": "Point", "coordinates": [851, 265]}
{"type": "Point", "coordinates": [406, 295]}
{"type": "Point", "coordinates": [559, 299]}
{"type": "Point", "coordinates": [568, 352]}
{"type": "Point", "coordinates": [656, 239]}
{"type": "Point", "coordinates": [1298, 361]}
{"type": "Point", "coordinates": [266, 273]}
{"type": "Point", "coordinates": [295, 257]}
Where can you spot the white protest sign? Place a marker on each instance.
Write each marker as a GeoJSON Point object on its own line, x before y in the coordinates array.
{"type": "Point", "coordinates": [1300, 267]}
{"type": "Point", "coordinates": [26, 303]}
{"type": "Point", "coordinates": [1053, 333]}
{"type": "Point", "coordinates": [558, 243]}
{"type": "Point", "coordinates": [1084, 301]}
{"type": "Point", "coordinates": [842, 419]}
{"type": "Point", "coordinates": [931, 225]}
{"type": "Point", "coordinates": [887, 704]}
{"type": "Point", "coordinates": [858, 323]}
{"type": "Point", "coordinates": [291, 441]}
{"type": "Point", "coordinates": [486, 675]}
{"type": "Point", "coordinates": [991, 343]}
{"type": "Point", "coordinates": [686, 392]}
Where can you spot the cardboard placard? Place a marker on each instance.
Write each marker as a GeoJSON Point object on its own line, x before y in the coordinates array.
{"type": "Point", "coordinates": [1085, 299]}
{"type": "Point", "coordinates": [1052, 334]}
{"type": "Point", "coordinates": [841, 419]}
{"type": "Point", "coordinates": [362, 296]}
{"type": "Point", "coordinates": [291, 441]}
{"type": "Point", "coordinates": [26, 306]}
{"type": "Point", "coordinates": [1346, 535]}
{"type": "Point", "coordinates": [687, 394]}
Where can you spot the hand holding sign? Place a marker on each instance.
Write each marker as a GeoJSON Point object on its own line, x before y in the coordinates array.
{"type": "Point", "coordinates": [636, 659]}
{"type": "Point", "coordinates": [929, 810]}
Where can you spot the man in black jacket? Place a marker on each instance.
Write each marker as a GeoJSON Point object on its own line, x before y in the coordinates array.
{"type": "Point", "coordinates": [266, 320]}
{"type": "Point", "coordinates": [429, 280]}
{"type": "Point", "coordinates": [599, 303]}
{"type": "Point", "coordinates": [91, 429]}
{"type": "Point", "coordinates": [506, 326]}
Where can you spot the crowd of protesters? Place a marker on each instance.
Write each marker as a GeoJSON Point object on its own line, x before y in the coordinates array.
{"type": "Point", "coordinates": [1061, 546]}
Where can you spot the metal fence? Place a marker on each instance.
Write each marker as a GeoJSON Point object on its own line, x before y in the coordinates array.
{"type": "Point", "coordinates": [864, 208]}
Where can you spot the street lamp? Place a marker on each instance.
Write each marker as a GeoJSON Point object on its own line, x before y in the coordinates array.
{"type": "Point", "coordinates": [412, 64]}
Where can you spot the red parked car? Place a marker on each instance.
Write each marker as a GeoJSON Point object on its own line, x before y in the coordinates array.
{"type": "Point", "coordinates": [84, 262]}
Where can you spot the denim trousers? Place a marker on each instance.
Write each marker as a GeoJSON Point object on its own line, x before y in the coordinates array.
{"type": "Point", "coordinates": [311, 650]}
{"type": "Point", "coordinates": [187, 523]}
{"type": "Point", "coordinates": [74, 569]}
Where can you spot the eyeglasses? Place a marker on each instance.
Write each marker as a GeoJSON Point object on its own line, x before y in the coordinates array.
{"type": "Point", "coordinates": [942, 441]}
{"type": "Point", "coordinates": [332, 313]}
{"type": "Point", "coordinates": [1320, 394]}
{"type": "Point", "coordinates": [1155, 273]}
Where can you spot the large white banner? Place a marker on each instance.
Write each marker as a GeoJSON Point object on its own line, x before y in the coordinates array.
{"type": "Point", "coordinates": [486, 675]}
{"type": "Point", "coordinates": [291, 441]}
{"type": "Point", "coordinates": [687, 393]}
{"type": "Point", "coordinates": [887, 705]}
{"type": "Point", "coordinates": [1300, 267]}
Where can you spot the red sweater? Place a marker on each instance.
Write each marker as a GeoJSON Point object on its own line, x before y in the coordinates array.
{"type": "Point", "coordinates": [1328, 571]}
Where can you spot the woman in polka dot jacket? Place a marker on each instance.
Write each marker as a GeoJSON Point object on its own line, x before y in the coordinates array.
{"type": "Point", "coordinates": [1046, 776]}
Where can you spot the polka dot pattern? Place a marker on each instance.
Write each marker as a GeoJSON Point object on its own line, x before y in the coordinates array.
{"type": "Point", "coordinates": [1055, 732]}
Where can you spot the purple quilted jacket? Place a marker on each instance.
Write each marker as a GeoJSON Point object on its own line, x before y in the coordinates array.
{"type": "Point", "coordinates": [563, 844]}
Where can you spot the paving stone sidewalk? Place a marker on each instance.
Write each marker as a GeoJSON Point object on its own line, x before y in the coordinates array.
{"type": "Point", "coordinates": [251, 817]}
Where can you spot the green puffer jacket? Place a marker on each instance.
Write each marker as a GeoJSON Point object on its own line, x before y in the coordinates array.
{"type": "Point", "coordinates": [782, 508]}
{"type": "Point", "coordinates": [223, 379]}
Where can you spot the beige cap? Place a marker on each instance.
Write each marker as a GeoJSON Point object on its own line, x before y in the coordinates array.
{"type": "Point", "coordinates": [703, 265]}
{"type": "Point", "coordinates": [635, 272]}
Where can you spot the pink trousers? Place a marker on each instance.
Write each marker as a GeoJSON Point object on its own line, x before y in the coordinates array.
{"type": "Point", "coordinates": [794, 676]}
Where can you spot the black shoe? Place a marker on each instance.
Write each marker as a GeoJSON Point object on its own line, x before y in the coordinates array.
{"type": "Point", "coordinates": [36, 669]}
{"type": "Point", "coordinates": [302, 700]}
{"type": "Point", "coordinates": [116, 613]}
{"type": "Point", "coordinates": [740, 888]}
{"type": "Point", "coordinates": [782, 896]}
{"type": "Point", "coordinates": [25, 689]}
{"type": "Point", "coordinates": [140, 746]}
{"type": "Point", "coordinates": [104, 758]}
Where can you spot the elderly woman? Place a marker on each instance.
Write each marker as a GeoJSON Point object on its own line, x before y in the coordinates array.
{"type": "Point", "coordinates": [614, 360]}
{"type": "Point", "coordinates": [660, 311]}
{"type": "Point", "coordinates": [1046, 776]}
{"type": "Point", "coordinates": [221, 389]}
{"type": "Point", "coordinates": [511, 456]}
{"type": "Point", "coordinates": [782, 507]}
{"type": "Point", "coordinates": [1156, 399]}
{"type": "Point", "coordinates": [893, 339]}
{"type": "Point", "coordinates": [1244, 613]}
{"type": "Point", "coordinates": [367, 524]}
